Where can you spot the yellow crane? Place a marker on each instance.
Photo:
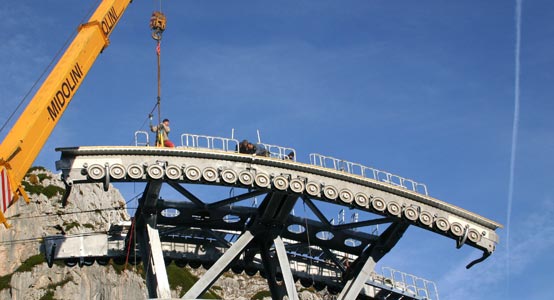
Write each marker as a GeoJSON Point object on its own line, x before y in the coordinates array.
{"type": "Point", "coordinates": [28, 135]}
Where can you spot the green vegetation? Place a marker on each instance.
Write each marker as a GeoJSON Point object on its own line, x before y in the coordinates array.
{"type": "Point", "coordinates": [52, 190]}
{"type": "Point", "coordinates": [49, 191]}
{"type": "Point", "coordinates": [36, 168]}
{"type": "Point", "coordinates": [261, 295]}
{"type": "Point", "coordinates": [43, 176]}
{"type": "Point", "coordinates": [71, 225]}
{"type": "Point", "coordinates": [48, 296]}
{"type": "Point", "coordinates": [310, 289]}
{"type": "Point", "coordinates": [181, 277]}
{"type": "Point", "coordinates": [33, 184]}
{"type": "Point", "coordinates": [31, 262]}
{"type": "Point", "coordinates": [5, 281]}
{"type": "Point", "coordinates": [26, 266]}
{"type": "Point", "coordinates": [88, 225]}
{"type": "Point", "coordinates": [52, 287]}
{"type": "Point", "coordinates": [120, 267]}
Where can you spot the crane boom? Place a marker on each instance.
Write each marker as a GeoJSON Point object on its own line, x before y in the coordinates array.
{"type": "Point", "coordinates": [28, 135]}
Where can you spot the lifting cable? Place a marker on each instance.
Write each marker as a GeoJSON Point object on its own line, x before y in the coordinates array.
{"type": "Point", "coordinates": [157, 24]}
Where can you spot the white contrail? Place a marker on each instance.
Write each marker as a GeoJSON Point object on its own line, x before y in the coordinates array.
{"type": "Point", "coordinates": [518, 9]}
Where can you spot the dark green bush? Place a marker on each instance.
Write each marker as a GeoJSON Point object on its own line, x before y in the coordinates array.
{"type": "Point", "coordinates": [25, 267]}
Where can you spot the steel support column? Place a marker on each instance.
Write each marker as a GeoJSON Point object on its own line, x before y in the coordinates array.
{"type": "Point", "coordinates": [285, 268]}
{"type": "Point", "coordinates": [149, 243]}
{"type": "Point", "coordinates": [277, 292]}
{"type": "Point", "coordinates": [220, 265]}
{"type": "Point", "coordinates": [156, 275]}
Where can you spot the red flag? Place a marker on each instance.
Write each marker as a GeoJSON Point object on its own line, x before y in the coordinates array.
{"type": "Point", "coordinates": [158, 48]}
{"type": "Point", "coordinates": [5, 190]}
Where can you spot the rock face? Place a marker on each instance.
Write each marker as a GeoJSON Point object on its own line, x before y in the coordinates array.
{"type": "Point", "coordinates": [25, 275]}
{"type": "Point", "coordinates": [242, 287]}
{"type": "Point", "coordinates": [94, 282]}
{"type": "Point", "coordinates": [89, 209]}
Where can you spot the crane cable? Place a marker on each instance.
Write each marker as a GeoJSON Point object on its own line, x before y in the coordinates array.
{"type": "Point", "coordinates": [158, 24]}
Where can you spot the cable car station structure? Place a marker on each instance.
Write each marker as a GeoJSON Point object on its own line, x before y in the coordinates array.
{"type": "Point", "coordinates": [268, 238]}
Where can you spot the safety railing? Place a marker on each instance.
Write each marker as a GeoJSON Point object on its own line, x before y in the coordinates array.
{"type": "Point", "coordinates": [368, 172]}
{"type": "Point", "coordinates": [209, 142]}
{"type": "Point", "coordinates": [142, 138]}
{"type": "Point", "coordinates": [411, 284]}
{"type": "Point", "coordinates": [279, 151]}
{"type": "Point", "coordinates": [219, 143]}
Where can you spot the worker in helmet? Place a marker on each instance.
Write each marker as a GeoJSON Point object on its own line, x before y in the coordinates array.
{"type": "Point", "coordinates": [162, 132]}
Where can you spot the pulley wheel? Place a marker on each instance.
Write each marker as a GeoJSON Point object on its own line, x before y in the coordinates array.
{"type": "Point", "coordinates": [117, 171]}
{"type": "Point", "coordinates": [346, 196]}
{"type": "Point", "coordinates": [262, 180]}
{"type": "Point", "coordinates": [135, 171]}
{"type": "Point", "coordinates": [209, 174]}
{"type": "Point", "coordinates": [297, 185]}
{"type": "Point", "coordinates": [173, 172]}
{"type": "Point", "coordinates": [229, 176]}
{"type": "Point", "coordinates": [281, 183]}
{"type": "Point", "coordinates": [379, 204]}
{"type": "Point", "coordinates": [313, 189]}
{"type": "Point", "coordinates": [96, 171]}
{"type": "Point", "coordinates": [193, 173]}
{"type": "Point", "coordinates": [155, 171]}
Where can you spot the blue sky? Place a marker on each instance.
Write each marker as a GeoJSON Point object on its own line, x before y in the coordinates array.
{"type": "Point", "coordinates": [423, 89]}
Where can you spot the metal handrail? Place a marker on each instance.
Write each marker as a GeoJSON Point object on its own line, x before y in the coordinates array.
{"type": "Point", "coordinates": [368, 172]}
{"type": "Point", "coordinates": [209, 142]}
{"type": "Point", "coordinates": [279, 151]}
{"type": "Point", "coordinates": [140, 133]}
{"type": "Point", "coordinates": [411, 284]}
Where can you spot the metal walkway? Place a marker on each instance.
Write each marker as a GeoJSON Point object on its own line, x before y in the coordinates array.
{"type": "Point", "coordinates": [268, 238]}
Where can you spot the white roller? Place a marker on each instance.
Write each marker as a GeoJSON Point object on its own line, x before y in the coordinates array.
{"type": "Point", "coordinates": [280, 182]}
{"type": "Point", "coordinates": [135, 171]}
{"type": "Point", "coordinates": [173, 172]}
{"type": "Point", "coordinates": [229, 176]}
{"type": "Point", "coordinates": [155, 171]}
{"type": "Point", "coordinates": [313, 189]}
{"type": "Point", "coordinates": [262, 180]}
{"type": "Point", "coordinates": [209, 174]}
{"type": "Point", "coordinates": [117, 171]}
{"type": "Point", "coordinates": [346, 196]}
{"type": "Point", "coordinates": [296, 185]}
{"type": "Point", "coordinates": [96, 171]}
{"type": "Point", "coordinates": [193, 173]}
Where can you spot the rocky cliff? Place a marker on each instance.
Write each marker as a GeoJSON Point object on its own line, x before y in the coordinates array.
{"type": "Point", "coordinates": [24, 273]}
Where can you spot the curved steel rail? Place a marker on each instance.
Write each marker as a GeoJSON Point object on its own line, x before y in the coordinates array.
{"type": "Point", "coordinates": [281, 183]}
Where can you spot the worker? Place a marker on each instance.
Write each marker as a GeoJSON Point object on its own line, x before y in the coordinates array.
{"type": "Point", "coordinates": [162, 131]}
{"type": "Point", "coordinates": [242, 147]}
{"type": "Point", "coordinates": [260, 150]}
{"type": "Point", "coordinates": [290, 155]}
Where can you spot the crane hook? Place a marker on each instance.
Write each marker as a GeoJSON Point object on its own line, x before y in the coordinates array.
{"type": "Point", "coordinates": [157, 24]}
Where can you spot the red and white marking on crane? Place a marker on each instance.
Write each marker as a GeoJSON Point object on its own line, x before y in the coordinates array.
{"type": "Point", "coordinates": [5, 190]}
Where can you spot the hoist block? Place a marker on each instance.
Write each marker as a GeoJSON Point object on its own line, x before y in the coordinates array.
{"type": "Point", "coordinates": [157, 21]}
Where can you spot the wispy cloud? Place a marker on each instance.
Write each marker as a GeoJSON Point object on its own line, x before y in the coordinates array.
{"type": "Point", "coordinates": [514, 129]}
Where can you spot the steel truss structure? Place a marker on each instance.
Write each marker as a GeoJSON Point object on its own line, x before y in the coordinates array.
{"type": "Point", "coordinates": [268, 238]}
